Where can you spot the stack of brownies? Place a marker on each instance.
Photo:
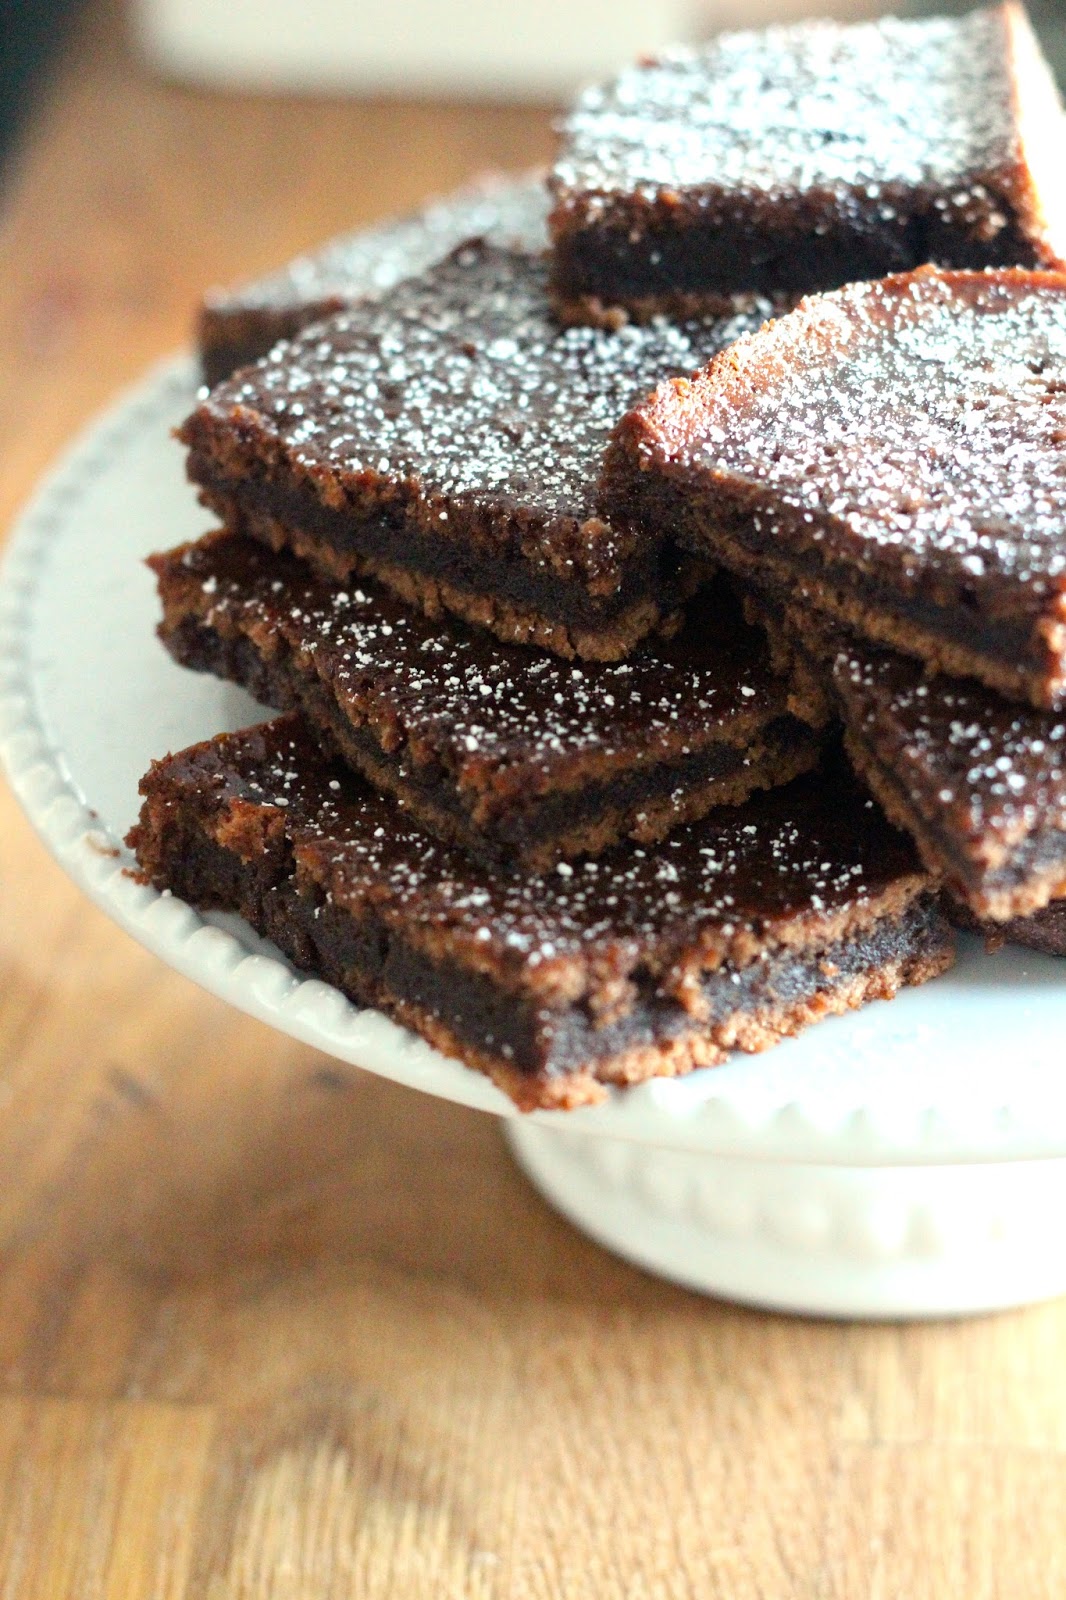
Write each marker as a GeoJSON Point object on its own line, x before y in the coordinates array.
{"type": "Point", "coordinates": [566, 566]}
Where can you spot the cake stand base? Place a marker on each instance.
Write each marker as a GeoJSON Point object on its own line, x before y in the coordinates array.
{"type": "Point", "coordinates": [864, 1242]}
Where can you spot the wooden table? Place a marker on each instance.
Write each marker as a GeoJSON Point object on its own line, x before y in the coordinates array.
{"type": "Point", "coordinates": [270, 1327]}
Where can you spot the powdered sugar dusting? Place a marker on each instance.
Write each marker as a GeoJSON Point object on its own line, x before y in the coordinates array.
{"type": "Point", "coordinates": [483, 709]}
{"type": "Point", "coordinates": [916, 425]}
{"type": "Point", "coordinates": [507, 211]}
{"type": "Point", "coordinates": [458, 386]}
{"type": "Point", "coordinates": [964, 754]}
{"type": "Point", "coordinates": [736, 880]}
{"type": "Point", "coordinates": [874, 109]}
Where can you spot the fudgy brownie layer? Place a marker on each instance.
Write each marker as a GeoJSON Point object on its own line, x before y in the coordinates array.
{"type": "Point", "coordinates": [804, 157]}
{"type": "Point", "coordinates": [503, 592]}
{"type": "Point", "coordinates": [238, 326]}
{"type": "Point", "coordinates": [891, 455]}
{"type": "Point", "coordinates": [447, 439]}
{"type": "Point", "coordinates": [979, 783]}
{"type": "Point", "coordinates": [517, 757]}
{"type": "Point", "coordinates": [732, 933]}
{"type": "Point", "coordinates": [1044, 930]}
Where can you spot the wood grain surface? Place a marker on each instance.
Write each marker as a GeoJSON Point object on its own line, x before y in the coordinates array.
{"type": "Point", "coordinates": [273, 1328]}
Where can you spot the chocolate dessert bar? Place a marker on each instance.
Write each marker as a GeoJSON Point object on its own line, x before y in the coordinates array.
{"type": "Point", "coordinates": [979, 783]}
{"type": "Point", "coordinates": [446, 439]}
{"type": "Point", "coordinates": [803, 157]}
{"type": "Point", "coordinates": [1044, 931]}
{"type": "Point", "coordinates": [517, 756]}
{"type": "Point", "coordinates": [238, 326]}
{"type": "Point", "coordinates": [892, 455]}
{"type": "Point", "coordinates": [732, 933]}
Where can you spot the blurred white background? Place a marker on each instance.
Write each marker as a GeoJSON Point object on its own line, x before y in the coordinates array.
{"type": "Point", "coordinates": [510, 49]}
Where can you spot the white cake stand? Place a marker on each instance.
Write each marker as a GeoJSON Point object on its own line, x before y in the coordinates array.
{"type": "Point", "coordinates": [907, 1160]}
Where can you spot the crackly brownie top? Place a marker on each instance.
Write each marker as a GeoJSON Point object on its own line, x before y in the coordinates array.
{"type": "Point", "coordinates": [916, 422]}
{"type": "Point", "coordinates": [459, 385]}
{"type": "Point", "coordinates": [458, 695]}
{"type": "Point", "coordinates": [961, 750]}
{"type": "Point", "coordinates": [789, 868]}
{"type": "Point", "coordinates": [874, 108]}
{"type": "Point", "coordinates": [507, 211]}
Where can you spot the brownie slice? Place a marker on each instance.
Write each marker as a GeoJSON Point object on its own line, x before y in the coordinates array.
{"type": "Point", "coordinates": [1044, 931]}
{"type": "Point", "coordinates": [447, 439]}
{"type": "Point", "coordinates": [892, 455]}
{"type": "Point", "coordinates": [238, 326]}
{"type": "Point", "coordinates": [979, 783]}
{"type": "Point", "coordinates": [804, 157]}
{"type": "Point", "coordinates": [517, 756]}
{"type": "Point", "coordinates": [733, 932]}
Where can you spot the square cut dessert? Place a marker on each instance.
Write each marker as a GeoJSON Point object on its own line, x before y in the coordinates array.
{"type": "Point", "coordinates": [807, 156]}
{"type": "Point", "coordinates": [892, 455]}
{"type": "Point", "coordinates": [516, 755]}
{"type": "Point", "coordinates": [732, 933]}
{"type": "Point", "coordinates": [447, 440]}
{"type": "Point", "coordinates": [978, 782]}
{"type": "Point", "coordinates": [238, 326]}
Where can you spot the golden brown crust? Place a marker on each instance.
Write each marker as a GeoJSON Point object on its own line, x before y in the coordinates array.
{"type": "Point", "coordinates": [654, 822]}
{"type": "Point", "coordinates": [590, 311]}
{"type": "Point", "coordinates": [764, 770]}
{"type": "Point", "coordinates": [942, 655]}
{"type": "Point", "coordinates": [750, 1032]}
{"type": "Point", "coordinates": [435, 597]}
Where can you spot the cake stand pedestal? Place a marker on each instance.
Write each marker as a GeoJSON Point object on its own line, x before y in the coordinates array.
{"type": "Point", "coordinates": [833, 1241]}
{"type": "Point", "coordinates": [907, 1160]}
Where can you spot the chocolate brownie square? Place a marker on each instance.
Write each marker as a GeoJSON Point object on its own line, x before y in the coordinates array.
{"type": "Point", "coordinates": [518, 756]}
{"type": "Point", "coordinates": [892, 456]}
{"type": "Point", "coordinates": [446, 439]}
{"type": "Point", "coordinates": [978, 782]}
{"type": "Point", "coordinates": [236, 327]}
{"type": "Point", "coordinates": [803, 157]}
{"type": "Point", "coordinates": [1044, 931]}
{"type": "Point", "coordinates": [733, 933]}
